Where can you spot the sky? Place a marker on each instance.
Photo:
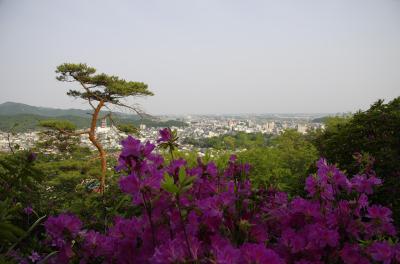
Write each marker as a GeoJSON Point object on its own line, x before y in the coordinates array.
{"type": "Point", "coordinates": [207, 56]}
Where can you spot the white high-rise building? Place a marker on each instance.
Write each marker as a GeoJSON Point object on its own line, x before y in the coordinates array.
{"type": "Point", "coordinates": [103, 126]}
{"type": "Point", "coordinates": [103, 123]}
{"type": "Point", "coordinates": [269, 127]}
{"type": "Point", "coordinates": [302, 128]}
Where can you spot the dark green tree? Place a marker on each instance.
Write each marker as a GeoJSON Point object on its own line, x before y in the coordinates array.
{"type": "Point", "coordinates": [128, 129]}
{"type": "Point", "coordinates": [51, 140]}
{"type": "Point", "coordinates": [100, 90]}
{"type": "Point", "coordinates": [374, 133]}
{"type": "Point", "coordinates": [284, 163]}
{"type": "Point", "coordinates": [20, 180]}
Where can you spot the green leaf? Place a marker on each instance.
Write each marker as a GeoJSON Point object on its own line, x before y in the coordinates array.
{"type": "Point", "coordinates": [182, 175]}
{"type": "Point", "coordinates": [186, 188]}
{"type": "Point", "coordinates": [169, 185]}
{"type": "Point", "coordinates": [189, 180]}
{"type": "Point", "coordinates": [23, 235]}
{"type": "Point", "coordinates": [44, 260]}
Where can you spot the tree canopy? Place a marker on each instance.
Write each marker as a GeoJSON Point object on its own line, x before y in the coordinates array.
{"type": "Point", "coordinates": [375, 133]}
{"type": "Point", "coordinates": [99, 87]}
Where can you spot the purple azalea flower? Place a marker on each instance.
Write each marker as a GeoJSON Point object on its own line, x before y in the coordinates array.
{"type": "Point", "coordinates": [259, 254]}
{"type": "Point", "coordinates": [311, 185]}
{"type": "Point", "coordinates": [212, 169]}
{"type": "Point", "coordinates": [296, 242]}
{"type": "Point", "coordinates": [57, 225]}
{"type": "Point", "coordinates": [133, 153]}
{"type": "Point", "coordinates": [381, 251]}
{"type": "Point", "coordinates": [32, 157]}
{"type": "Point", "coordinates": [165, 135]}
{"type": "Point", "coordinates": [321, 237]}
{"type": "Point", "coordinates": [131, 185]}
{"type": "Point", "coordinates": [28, 210]}
{"type": "Point", "coordinates": [171, 252]}
{"type": "Point", "coordinates": [363, 201]}
{"type": "Point", "coordinates": [352, 254]}
{"type": "Point", "coordinates": [340, 179]}
{"type": "Point", "coordinates": [97, 245]}
{"type": "Point", "coordinates": [363, 184]}
{"type": "Point", "coordinates": [327, 192]}
{"type": "Point", "coordinates": [223, 219]}
{"type": "Point", "coordinates": [227, 255]}
{"type": "Point", "coordinates": [223, 250]}
{"type": "Point", "coordinates": [175, 165]}
{"type": "Point", "coordinates": [131, 147]}
{"type": "Point", "coordinates": [34, 257]}
{"type": "Point", "coordinates": [379, 212]}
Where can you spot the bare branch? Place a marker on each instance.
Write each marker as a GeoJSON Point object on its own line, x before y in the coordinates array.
{"type": "Point", "coordinates": [87, 89]}
{"type": "Point", "coordinates": [109, 115]}
{"type": "Point", "coordinates": [132, 108]}
{"type": "Point", "coordinates": [90, 102]}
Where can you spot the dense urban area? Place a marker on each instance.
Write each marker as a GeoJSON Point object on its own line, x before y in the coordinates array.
{"type": "Point", "coordinates": [196, 127]}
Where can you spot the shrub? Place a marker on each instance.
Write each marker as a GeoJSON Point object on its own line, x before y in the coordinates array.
{"type": "Point", "coordinates": [202, 215]}
{"type": "Point", "coordinates": [374, 133]}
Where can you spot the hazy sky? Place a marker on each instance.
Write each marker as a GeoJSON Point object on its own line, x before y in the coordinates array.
{"type": "Point", "coordinates": [208, 56]}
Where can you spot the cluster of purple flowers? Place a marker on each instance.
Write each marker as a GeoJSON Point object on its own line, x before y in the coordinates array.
{"type": "Point", "coordinates": [202, 215]}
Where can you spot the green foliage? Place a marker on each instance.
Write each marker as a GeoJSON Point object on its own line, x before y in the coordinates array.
{"type": "Point", "coordinates": [375, 132]}
{"type": "Point", "coordinates": [219, 157]}
{"type": "Point", "coordinates": [328, 119]}
{"type": "Point", "coordinates": [155, 123]}
{"type": "Point", "coordinates": [98, 210]}
{"type": "Point", "coordinates": [72, 185]}
{"type": "Point", "coordinates": [99, 87]}
{"type": "Point", "coordinates": [28, 122]}
{"type": "Point", "coordinates": [9, 232]}
{"type": "Point", "coordinates": [171, 145]}
{"type": "Point", "coordinates": [168, 184]}
{"type": "Point", "coordinates": [128, 129]}
{"type": "Point", "coordinates": [240, 140]}
{"type": "Point", "coordinates": [12, 109]}
{"type": "Point", "coordinates": [60, 137]}
{"type": "Point", "coordinates": [60, 125]}
{"type": "Point", "coordinates": [20, 180]}
{"type": "Point", "coordinates": [64, 178]}
{"type": "Point", "coordinates": [183, 184]}
{"type": "Point", "coordinates": [284, 164]}
{"type": "Point", "coordinates": [333, 123]}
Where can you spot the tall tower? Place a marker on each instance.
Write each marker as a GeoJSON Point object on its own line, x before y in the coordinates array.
{"type": "Point", "coordinates": [103, 122]}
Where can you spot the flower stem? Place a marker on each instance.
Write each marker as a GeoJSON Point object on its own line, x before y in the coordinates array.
{"type": "Point", "coordinates": [184, 227]}
{"type": "Point", "coordinates": [148, 211]}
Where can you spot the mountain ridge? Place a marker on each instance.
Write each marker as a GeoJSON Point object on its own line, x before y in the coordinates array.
{"type": "Point", "coordinates": [22, 117]}
{"type": "Point", "coordinates": [12, 108]}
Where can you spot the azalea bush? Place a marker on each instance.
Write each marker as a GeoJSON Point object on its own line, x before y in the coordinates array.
{"type": "Point", "coordinates": [204, 215]}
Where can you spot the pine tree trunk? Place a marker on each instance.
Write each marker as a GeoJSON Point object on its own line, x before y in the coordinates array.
{"type": "Point", "coordinates": [96, 143]}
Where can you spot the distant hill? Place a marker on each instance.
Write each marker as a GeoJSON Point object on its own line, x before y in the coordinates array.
{"type": "Point", "coordinates": [320, 119]}
{"type": "Point", "coordinates": [12, 108]}
{"type": "Point", "coordinates": [28, 117]}
{"type": "Point", "coordinates": [27, 122]}
{"type": "Point", "coordinates": [323, 119]}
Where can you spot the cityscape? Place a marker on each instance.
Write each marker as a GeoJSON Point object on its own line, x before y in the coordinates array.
{"type": "Point", "coordinates": [197, 127]}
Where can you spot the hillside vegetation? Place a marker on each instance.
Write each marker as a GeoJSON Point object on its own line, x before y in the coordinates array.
{"type": "Point", "coordinates": [28, 117]}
